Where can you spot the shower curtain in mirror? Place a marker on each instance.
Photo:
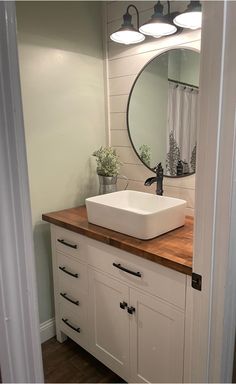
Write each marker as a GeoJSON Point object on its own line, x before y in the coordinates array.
{"type": "Point", "coordinates": [181, 127]}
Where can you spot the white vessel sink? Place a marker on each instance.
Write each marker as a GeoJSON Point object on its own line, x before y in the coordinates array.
{"type": "Point", "coordinates": [137, 214]}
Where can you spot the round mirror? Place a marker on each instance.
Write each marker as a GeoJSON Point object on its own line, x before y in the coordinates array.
{"type": "Point", "coordinates": [162, 112]}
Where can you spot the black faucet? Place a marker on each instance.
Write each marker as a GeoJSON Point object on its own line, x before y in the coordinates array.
{"type": "Point", "coordinates": [158, 179]}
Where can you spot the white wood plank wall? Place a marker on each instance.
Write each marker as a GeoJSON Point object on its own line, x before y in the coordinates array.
{"type": "Point", "coordinates": [124, 64]}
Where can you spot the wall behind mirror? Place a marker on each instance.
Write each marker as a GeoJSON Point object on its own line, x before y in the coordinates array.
{"type": "Point", "coordinates": [124, 64]}
{"type": "Point", "coordinates": [162, 112]}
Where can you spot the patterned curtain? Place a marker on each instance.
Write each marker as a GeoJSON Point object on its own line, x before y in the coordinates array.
{"type": "Point", "coordinates": [181, 126]}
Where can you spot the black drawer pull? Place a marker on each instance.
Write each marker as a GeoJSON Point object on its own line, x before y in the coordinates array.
{"type": "Point", "coordinates": [67, 244]}
{"type": "Point", "coordinates": [64, 295]}
{"type": "Point", "coordinates": [71, 326]}
{"type": "Point", "coordinates": [63, 269]}
{"type": "Point", "coordinates": [119, 266]}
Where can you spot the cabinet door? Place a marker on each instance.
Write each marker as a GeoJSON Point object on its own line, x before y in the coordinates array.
{"type": "Point", "coordinates": [157, 340]}
{"type": "Point", "coordinates": [109, 323]}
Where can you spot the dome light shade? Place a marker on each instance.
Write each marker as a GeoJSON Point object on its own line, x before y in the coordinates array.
{"type": "Point", "coordinates": [191, 18]}
{"type": "Point", "coordinates": [127, 34]}
{"type": "Point", "coordinates": [158, 29]}
{"type": "Point", "coordinates": [159, 25]}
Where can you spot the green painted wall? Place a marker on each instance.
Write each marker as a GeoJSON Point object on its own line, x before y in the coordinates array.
{"type": "Point", "coordinates": [62, 78]}
{"type": "Point", "coordinates": [190, 67]}
{"type": "Point", "coordinates": [184, 66]}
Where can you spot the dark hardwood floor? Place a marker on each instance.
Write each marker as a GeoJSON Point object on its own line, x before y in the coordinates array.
{"type": "Point", "coordinates": [69, 363]}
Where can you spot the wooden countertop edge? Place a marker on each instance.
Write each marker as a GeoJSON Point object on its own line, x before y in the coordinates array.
{"type": "Point", "coordinates": [110, 240]}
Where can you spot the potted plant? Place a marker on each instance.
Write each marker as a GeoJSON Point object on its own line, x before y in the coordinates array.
{"type": "Point", "coordinates": [108, 166]}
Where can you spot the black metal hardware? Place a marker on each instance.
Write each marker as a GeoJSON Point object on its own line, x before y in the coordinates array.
{"type": "Point", "coordinates": [131, 310]}
{"type": "Point", "coordinates": [119, 266]}
{"type": "Point", "coordinates": [181, 83]}
{"type": "Point", "coordinates": [127, 17]}
{"type": "Point", "coordinates": [64, 295]}
{"type": "Point", "coordinates": [63, 269]}
{"type": "Point", "coordinates": [71, 326]}
{"type": "Point", "coordinates": [196, 281]}
{"type": "Point", "coordinates": [158, 179]}
{"type": "Point", "coordinates": [62, 241]}
{"type": "Point", "coordinates": [123, 305]}
{"type": "Point", "coordinates": [159, 173]}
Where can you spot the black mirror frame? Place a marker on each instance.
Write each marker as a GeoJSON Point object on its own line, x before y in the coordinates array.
{"type": "Point", "coordinates": [128, 103]}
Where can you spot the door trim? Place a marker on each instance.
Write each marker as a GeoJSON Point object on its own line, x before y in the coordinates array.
{"type": "Point", "coordinates": [213, 318]}
{"type": "Point", "coordinates": [20, 349]}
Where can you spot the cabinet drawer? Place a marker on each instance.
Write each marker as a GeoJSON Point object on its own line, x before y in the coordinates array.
{"type": "Point", "coordinates": [160, 281]}
{"type": "Point", "coordinates": [74, 324]}
{"type": "Point", "coordinates": [69, 242]}
{"type": "Point", "coordinates": [72, 275]}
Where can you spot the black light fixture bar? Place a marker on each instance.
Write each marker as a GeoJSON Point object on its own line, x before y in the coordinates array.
{"type": "Point", "coordinates": [129, 15]}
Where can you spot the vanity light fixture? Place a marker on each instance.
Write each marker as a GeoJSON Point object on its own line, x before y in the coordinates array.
{"type": "Point", "coordinates": [159, 25]}
{"type": "Point", "coordinates": [191, 18]}
{"type": "Point", "coordinates": [127, 34]}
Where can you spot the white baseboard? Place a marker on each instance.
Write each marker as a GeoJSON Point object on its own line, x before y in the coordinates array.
{"type": "Point", "coordinates": [47, 330]}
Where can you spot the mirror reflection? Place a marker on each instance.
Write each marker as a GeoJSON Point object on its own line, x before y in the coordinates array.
{"type": "Point", "coordinates": [162, 112]}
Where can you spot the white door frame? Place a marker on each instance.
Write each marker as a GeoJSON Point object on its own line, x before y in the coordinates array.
{"type": "Point", "coordinates": [214, 307]}
{"type": "Point", "coordinates": [20, 349]}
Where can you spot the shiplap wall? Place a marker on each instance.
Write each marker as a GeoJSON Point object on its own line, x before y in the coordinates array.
{"type": "Point", "coordinates": [123, 65]}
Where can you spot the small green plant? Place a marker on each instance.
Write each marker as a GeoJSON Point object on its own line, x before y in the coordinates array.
{"type": "Point", "coordinates": [108, 162]}
{"type": "Point", "coordinates": [145, 154]}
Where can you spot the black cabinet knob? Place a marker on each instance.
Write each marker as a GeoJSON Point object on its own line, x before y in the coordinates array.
{"type": "Point", "coordinates": [131, 310]}
{"type": "Point", "coordinates": [123, 305]}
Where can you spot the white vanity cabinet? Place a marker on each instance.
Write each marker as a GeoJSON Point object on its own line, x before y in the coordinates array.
{"type": "Point", "coordinates": [128, 312]}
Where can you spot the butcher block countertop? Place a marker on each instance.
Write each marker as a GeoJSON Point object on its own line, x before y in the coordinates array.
{"type": "Point", "coordinates": [173, 249]}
